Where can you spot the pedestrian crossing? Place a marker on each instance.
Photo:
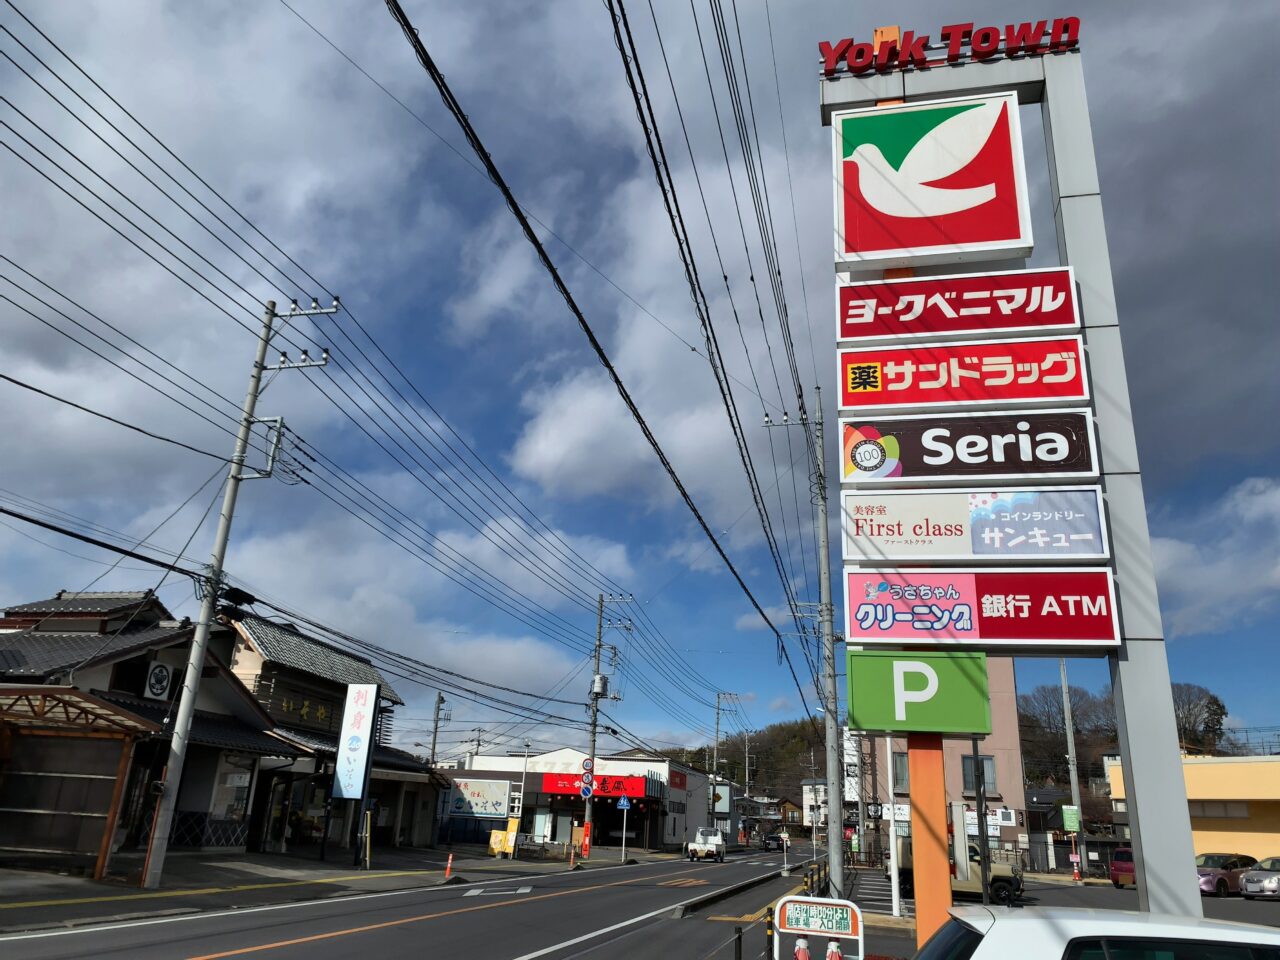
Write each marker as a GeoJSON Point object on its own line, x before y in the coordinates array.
{"type": "Point", "coordinates": [684, 882]}
{"type": "Point", "coordinates": [873, 894]}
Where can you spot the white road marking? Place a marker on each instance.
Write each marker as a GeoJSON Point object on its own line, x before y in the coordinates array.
{"type": "Point", "coordinates": [482, 892]}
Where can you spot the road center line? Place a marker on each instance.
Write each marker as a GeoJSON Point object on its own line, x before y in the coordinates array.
{"type": "Point", "coordinates": [367, 928]}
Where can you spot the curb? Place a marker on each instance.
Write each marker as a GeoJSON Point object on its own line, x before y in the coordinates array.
{"type": "Point", "coordinates": [682, 910]}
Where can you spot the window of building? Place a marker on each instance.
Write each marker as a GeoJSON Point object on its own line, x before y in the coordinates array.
{"type": "Point", "coordinates": [1220, 809]}
{"type": "Point", "coordinates": [988, 774]}
{"type": "Point", "coordinates": [901, 780]}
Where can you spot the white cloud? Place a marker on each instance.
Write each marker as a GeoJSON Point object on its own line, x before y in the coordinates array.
{"type": "Point", "coordinates": [1223, 571]}
{"type": "Point", "coordinates": [753, 621]}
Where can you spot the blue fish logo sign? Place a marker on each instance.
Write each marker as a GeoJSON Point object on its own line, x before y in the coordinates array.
{"type": "Point", "coordinates": [353, 742]}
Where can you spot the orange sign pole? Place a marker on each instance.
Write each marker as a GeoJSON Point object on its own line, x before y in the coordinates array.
{"type": "Point", "coordinates": [931, 861]}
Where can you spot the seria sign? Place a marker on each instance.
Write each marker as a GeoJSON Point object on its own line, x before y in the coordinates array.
{"type": "Point", "coordinates": [1057, 444]}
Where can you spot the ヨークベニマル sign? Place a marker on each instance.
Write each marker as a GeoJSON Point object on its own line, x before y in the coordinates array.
{"type": "Point", "coordinates": [1016, 301]}
{"type": "Point", "coordinates": [935, 182]}
{"type": "Point", "coordinates": [1040, 524]}
{"type": "Point", "coordinates": [964, 374]}
{"type": "Point", "coordinates": [956, 42]}
{"type": "Point", "coordinates": [1056, 444]}
{"type": "Point", "coordinates": [910, 691]}
{"type": "Point", "coordinates": [972, 607]}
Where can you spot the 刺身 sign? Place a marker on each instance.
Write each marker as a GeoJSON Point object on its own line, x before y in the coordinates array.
{"type": "Point", "coordinates": [485, 799]}
{"type": "Point", "coordinates": [1057, 444]}
{"type": "Point", "coordinates": [909, 691]}
{"type": "Point", "coordinates": [957, 42]}
{"type": "Point", "coordinates": [1016, 301]}
{"type": "Point", "coordinates": [1040, 524]}
{"type": "Point", "coordinates": [973, 607]}
{"type": "Point", "coordinates": [355, 741]}
{"type": "Point", "coordinates": [935, 182]}
{"type": "Point", "coordinates": [964, 374]}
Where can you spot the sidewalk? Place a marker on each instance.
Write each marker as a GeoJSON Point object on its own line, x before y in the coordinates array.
{"type": "Point", "coordinates": [195, 882]}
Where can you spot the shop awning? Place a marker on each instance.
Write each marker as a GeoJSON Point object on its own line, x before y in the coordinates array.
{"type": "Point", "coordinates": [67, 708]}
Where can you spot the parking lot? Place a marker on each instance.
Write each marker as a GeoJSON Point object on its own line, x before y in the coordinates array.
{"type": "Point", "coordinates": [1040, 893]}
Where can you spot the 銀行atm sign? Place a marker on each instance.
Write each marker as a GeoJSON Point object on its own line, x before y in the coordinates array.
{"type": "Point", "coordinates": [976, 608]}
{"type": "Point", "coordinates": [963, 374]}
{"type": "Point", "coordinates": [960, 40]}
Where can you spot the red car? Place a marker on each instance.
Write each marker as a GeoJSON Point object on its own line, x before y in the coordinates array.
{"type": "Point", "coordinates": [1122, 867]}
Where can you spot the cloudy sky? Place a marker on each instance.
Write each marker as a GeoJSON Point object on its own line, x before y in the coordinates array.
{"type": "Point", "coordinates": [548, 492]}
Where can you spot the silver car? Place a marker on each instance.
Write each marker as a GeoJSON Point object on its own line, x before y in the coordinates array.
{"type": "Point", "coordinates": [1262, 881]}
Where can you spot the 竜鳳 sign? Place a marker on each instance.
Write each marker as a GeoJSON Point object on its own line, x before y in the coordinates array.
{"type": "Point", "coordinates": [355, 741]}
{"type": "Point", "coordinates": [1016, 301]}
{"type": "Point", "coordinates": [930, 692]}
{"type": "Point", "coordinates": [935, 182]}
{"type": "Point", "coordinates": [972, 607]}
{"type": "Point", "coordinates": [956, 42]}
{"type": "Point", "coordinates": [1056, 444]}
{"type": "Point", "coordinates": [819, 917]}
{"type": "Point", "coordinates": [601, 785]}
{"type": "Point", "coordinates": [485, 799]}
{"type": "Point", "coordinates": [1041, 524]}
{"type": "Point", "coordinates": [964, 374]}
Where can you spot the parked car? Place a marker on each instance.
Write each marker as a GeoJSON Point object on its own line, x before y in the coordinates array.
{"type": "Point", "coordinates": [1220, 872]}
{"type": "Point", "coordinates": [1262, 880]}
{"type": "Point", "coordinates": [997, 933]}
{"type": "Point", "coordinates": [1122, 867]}
{"type": "Point", "coordinates": [772, 842]}
{"type": "Point", "coordinates": [707, 844]}
{"type": "Point", "coordinates": [1004, 880]}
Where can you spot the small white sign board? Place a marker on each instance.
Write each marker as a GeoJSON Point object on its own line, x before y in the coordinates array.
{"type": "Point", "coordinates": [820, 919]}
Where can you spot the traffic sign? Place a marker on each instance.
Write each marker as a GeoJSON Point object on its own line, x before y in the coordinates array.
{"type": "Point", "coordinates": [588, 764]}
{"type": "Point", "coordinates": [624, 803]}
{"type": "Point", "coordinates": [586, 793]}
{"type": "Point", "coordinates": [588, 779]}
{"type": "Point", "coordinates": [1071, 818]}
{"type": "Point", "coordinates": [833, 919]}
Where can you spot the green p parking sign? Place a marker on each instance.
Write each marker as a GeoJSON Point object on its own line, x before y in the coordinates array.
{"type": "Point", "coordinates": [903, 691]}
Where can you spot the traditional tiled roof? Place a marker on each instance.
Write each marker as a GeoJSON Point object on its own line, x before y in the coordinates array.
{"type": "Point", "coordinates": [210, 729]}
{"type": "Point", "coordinates": [387, 758]}
{"type": "Point", "coordinates": [284, 644]}
{"type": "Point", "coordinates": [70, 601]}
{"type": "Point", "coordinates": [36, 653]}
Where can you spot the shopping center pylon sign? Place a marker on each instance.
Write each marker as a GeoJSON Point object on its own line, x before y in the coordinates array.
{"type": "Point", "coordinates": [935, 182]}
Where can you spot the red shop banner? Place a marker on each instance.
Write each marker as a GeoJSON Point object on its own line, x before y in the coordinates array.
{"type": "Point", "coordinates": [977, 607]}
{"type": "Point", "coordinates": [1016, 301]}
{"type": "Point", "coordinates": [965, 374]}
{"type": "Point", "coordinates": [604, 786]}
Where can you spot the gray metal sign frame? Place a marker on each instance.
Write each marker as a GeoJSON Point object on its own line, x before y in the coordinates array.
{"type": "Point", "coordinates": [1152, 764]}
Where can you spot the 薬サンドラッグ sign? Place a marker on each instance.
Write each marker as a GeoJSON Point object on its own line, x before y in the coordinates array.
{"type": "Point", "coordinates": [1040, 524]}
{"type": "Point", "coordinates": [935, 182]}
{"type": "Point", "coordinates": [1056, 444]}
{"type": "Point", "coordinates": [911, 691]}
{"type": "Point", "coordinates": [485, 799]}
{"type": "Point", "coordinates": [973, 607]}
{"type": "Point", "coordinates": [964, 374]}
{"type": "Point", "coordinates": [355, 740]}
{"type": "Point", "coordinates": [1018, 301]}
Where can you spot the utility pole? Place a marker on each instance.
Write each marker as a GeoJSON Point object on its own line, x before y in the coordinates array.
{"type": "Point", "coordinates": [479, 734]}
{"type": "Point", "coordinates": [1070, 728]}
{"type": "Point", "coordinates": [980, 801]}
{"type": "Point", "coordinates": [171, 779]}
{"type": "Point", "coordinates": [435, 726]}
{"type": "Point", "coordinates": [597, 691]}
{"type": "Point", "coordinates": [835, 771]}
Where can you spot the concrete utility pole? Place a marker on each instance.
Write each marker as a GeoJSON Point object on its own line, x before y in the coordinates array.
{"type": "Point", "coordinates": [980, 801]}
{"type": "Point", "coordinates": [1070, 728]}
{"type": "Point", "coordinates": [435, 726]}
{"type": "Point", "coordinates": [172, 776]}
{"type": "Point", "coordinates": [835, 806]}
{"type": "Point", "coordinates": [597, 691]}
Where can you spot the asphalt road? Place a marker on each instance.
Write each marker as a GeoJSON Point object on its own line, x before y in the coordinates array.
{"type": "Point", "coordinates": [1039, 894]}
{"type": "Point", "coordinates": [558, 916]}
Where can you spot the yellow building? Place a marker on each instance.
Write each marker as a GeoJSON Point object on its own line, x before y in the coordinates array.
{"type": "Point", "coordinates": [1234, 801]}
